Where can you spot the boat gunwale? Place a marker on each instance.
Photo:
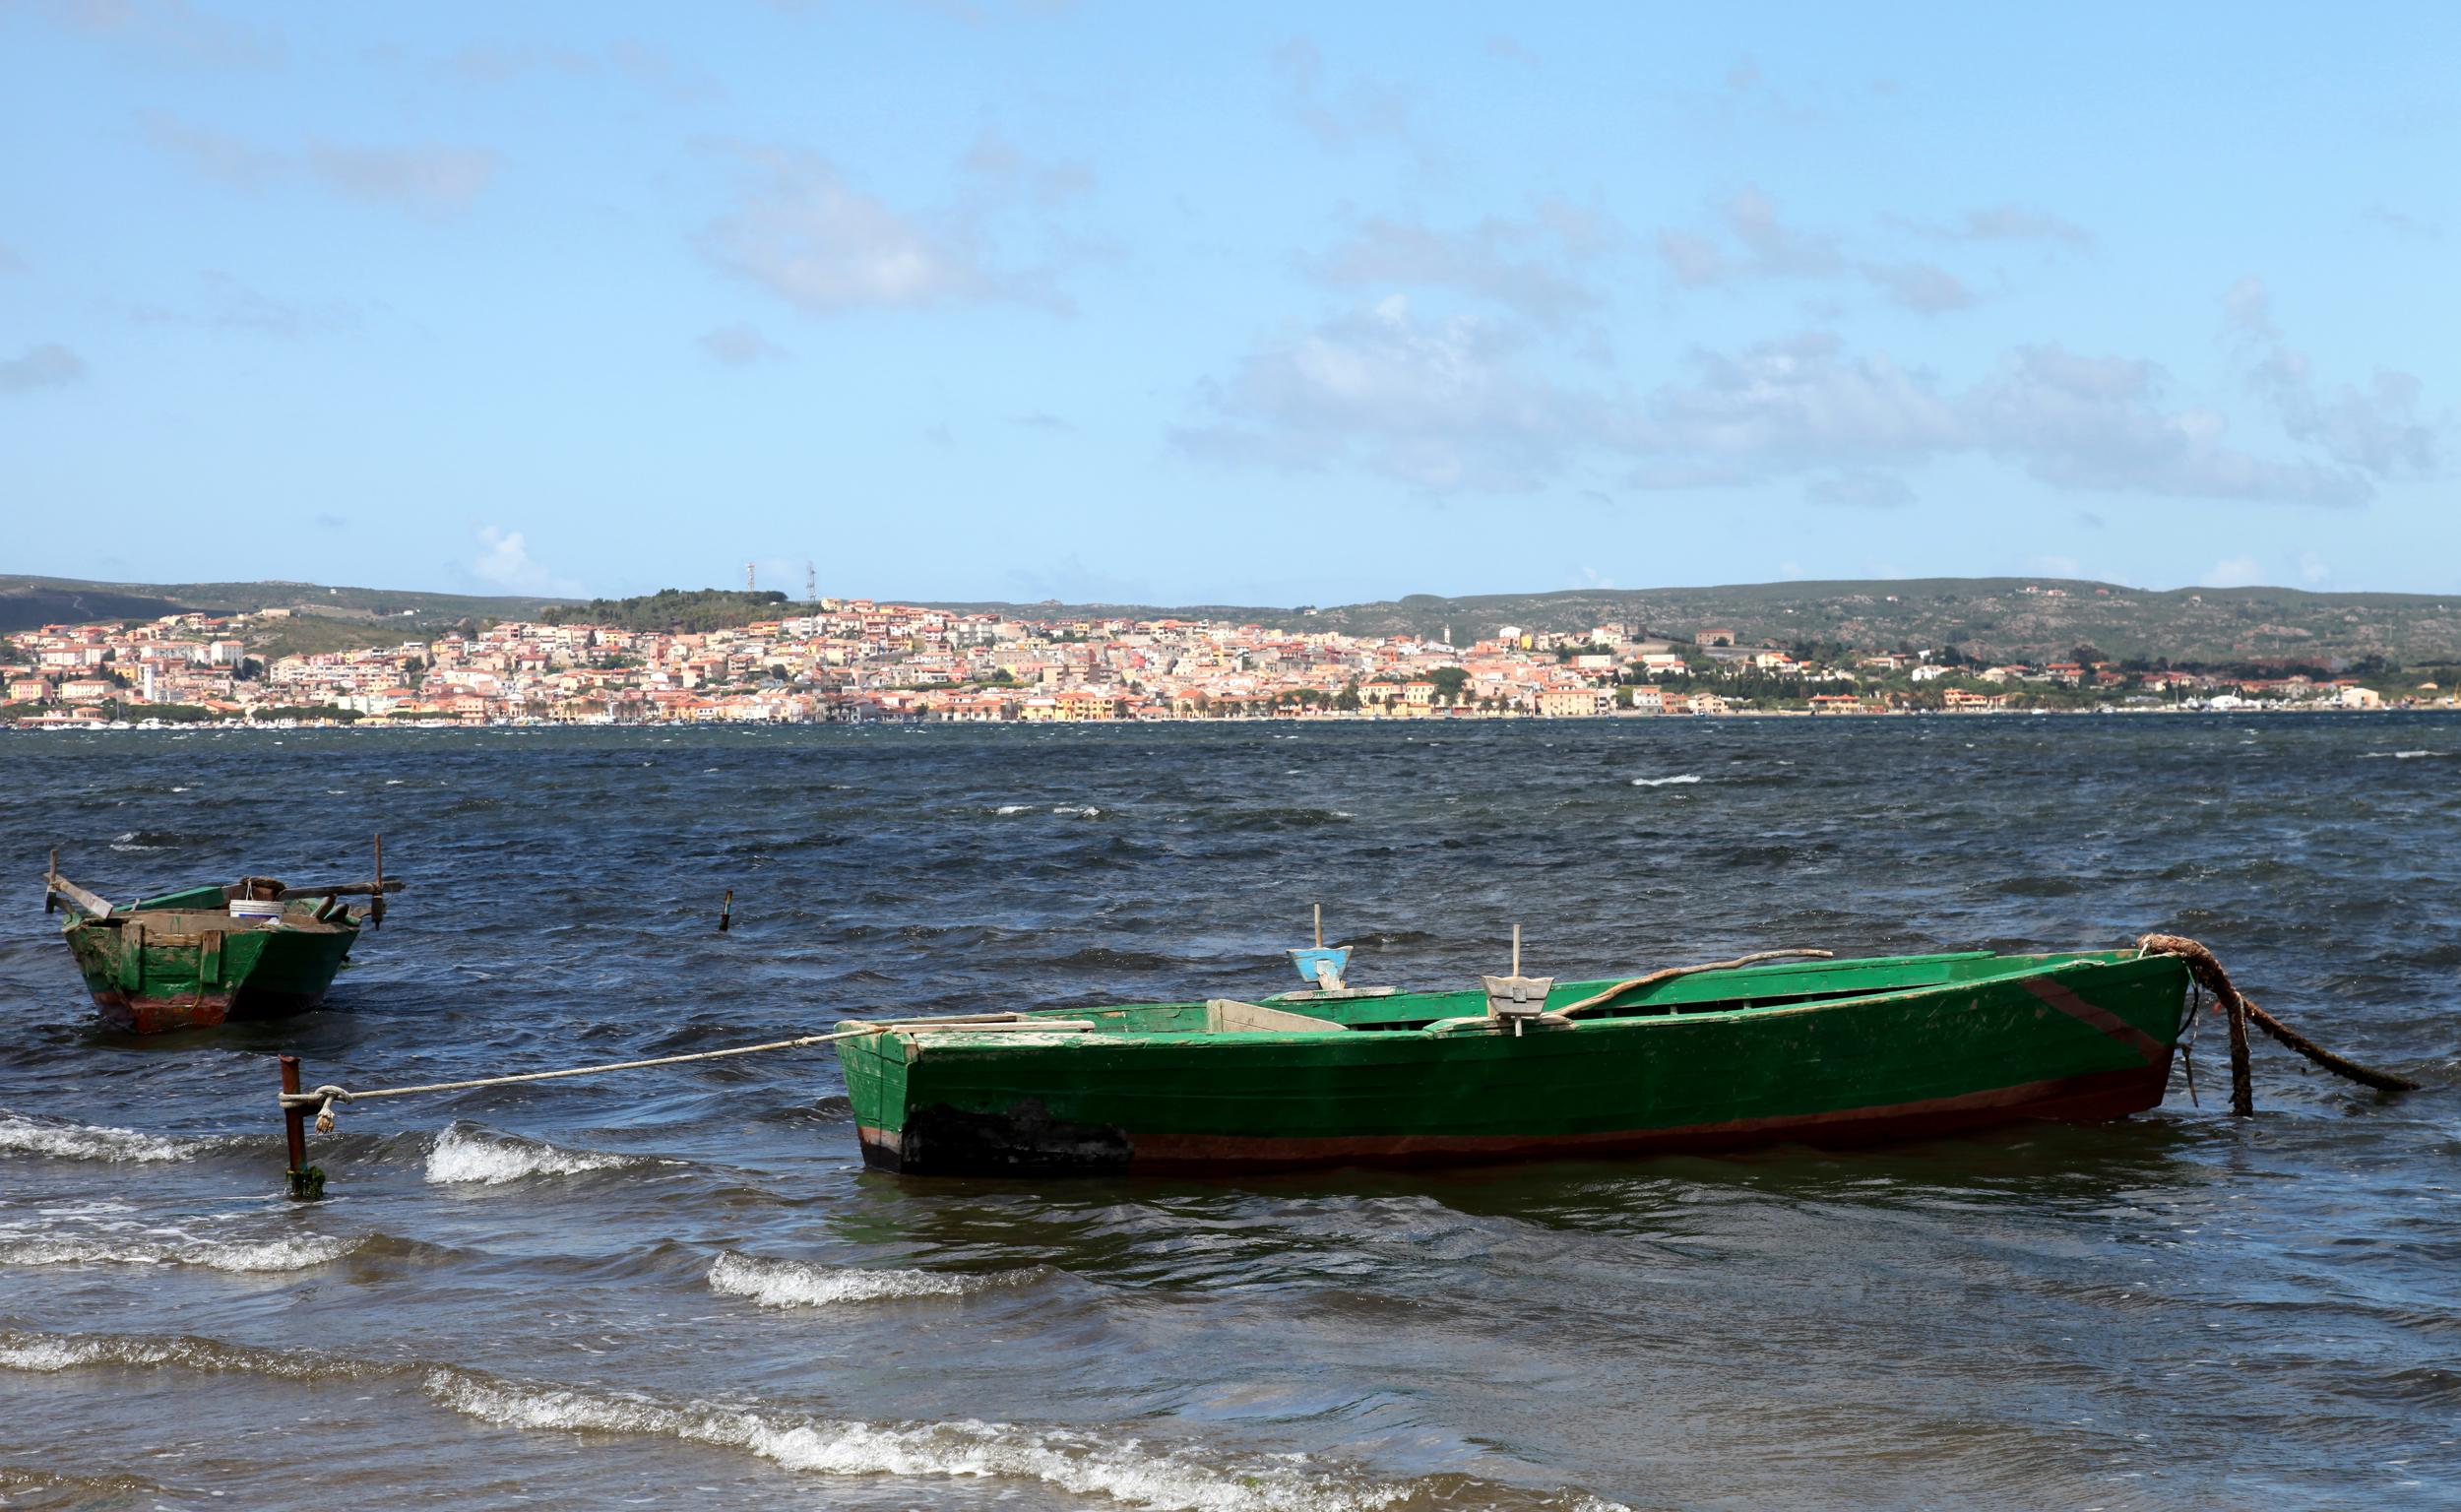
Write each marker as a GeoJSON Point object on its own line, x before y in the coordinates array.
{"type": "Point", "coordinates": [2059, 964]}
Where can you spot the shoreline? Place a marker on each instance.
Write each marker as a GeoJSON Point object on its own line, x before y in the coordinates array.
{"type": "Point", "coordinates": [228, 727]}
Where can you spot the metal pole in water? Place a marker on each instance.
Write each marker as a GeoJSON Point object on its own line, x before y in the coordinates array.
{"type": "Point", "coordinates": [727, 912]}
{"type": "Point", "coordinates": [308, 1183]}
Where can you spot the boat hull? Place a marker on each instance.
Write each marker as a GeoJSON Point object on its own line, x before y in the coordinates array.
{"type": "Point", "coordinates": [2085, 1038]}
{"type": "Point", "coordinates": [157, 972]}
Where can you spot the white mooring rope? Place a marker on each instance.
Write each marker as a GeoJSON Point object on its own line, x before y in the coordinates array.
{"type": "Point", "coordinates": [322, 1099]}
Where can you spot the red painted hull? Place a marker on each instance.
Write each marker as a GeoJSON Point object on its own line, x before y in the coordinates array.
{"type": "Point", "coordinates": [146, 1015]}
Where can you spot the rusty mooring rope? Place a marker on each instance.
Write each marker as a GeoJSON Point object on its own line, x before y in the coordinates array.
{"type": "Point", "coordinates": [2207, 970]}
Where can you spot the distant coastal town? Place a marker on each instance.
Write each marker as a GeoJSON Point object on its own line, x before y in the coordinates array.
{"type": "Point", "coordinates": [854, 660]}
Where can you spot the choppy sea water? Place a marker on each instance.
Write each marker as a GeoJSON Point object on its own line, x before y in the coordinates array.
{"type": "Point", "coordinates": [681, 1288]}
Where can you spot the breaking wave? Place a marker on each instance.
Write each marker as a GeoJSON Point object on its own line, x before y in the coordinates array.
{"type": "Point", "coordinates": [48, 1353]}
{"type": "Point", "coordinates": [2399, 755]}
{"type": "Point", "coordinates": [1077, 810]}
{"type": "Point", "coordinates": [478, 1158]}
{"type": "Point", "coordinates": [298, 1252]}
{"type": "Point", "coordinates": [1125, 1471]}
{"type": "Point", "coordinates": [794, 1284]}
{"type": "Point", "coordinates": [1078, 1462]}
{"type": "Point", "coordinates": [1665, 782]}
{"type": "Point", "coordinates": [87, 1142]}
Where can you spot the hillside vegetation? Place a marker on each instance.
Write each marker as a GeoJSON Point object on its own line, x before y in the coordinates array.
{"type": "Point", "coordinates": [1989, 620]}
{"type": "Point", "coordinates": [675, 611]}
{"type": "Point", "coordinates": [28, 601]}
{"type": "Point", "coordinates": [1992, 619]}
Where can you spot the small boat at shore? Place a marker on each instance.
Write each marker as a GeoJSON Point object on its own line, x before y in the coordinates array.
{"type": "Point", "coordinates": [1811, 1051]}
{"type": "Point", "coordinates": [201, 955]}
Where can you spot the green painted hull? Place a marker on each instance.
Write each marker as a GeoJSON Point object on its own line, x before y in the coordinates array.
{"type": "Point", "coordinates": [1827, 1052]}
{"type": "Point", "coordinates": [153, 970]}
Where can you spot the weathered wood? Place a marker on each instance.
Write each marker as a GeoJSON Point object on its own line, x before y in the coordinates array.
{"type": "Point", "coordinates": [91, 903]}
{"type": "Point", "coordinates": [1228, 1014]}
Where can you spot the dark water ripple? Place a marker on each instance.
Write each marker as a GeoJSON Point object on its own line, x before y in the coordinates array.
{"type": "Point", "coordinates": [683, 1288]}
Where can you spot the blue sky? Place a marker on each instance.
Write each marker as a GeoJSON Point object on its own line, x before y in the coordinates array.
{"type": "Point", "coordinates": [1243, 304]}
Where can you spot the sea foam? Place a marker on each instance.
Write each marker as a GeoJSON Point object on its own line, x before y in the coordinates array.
{"type": "Point", "coordinates": [87, 1142]}
{"type": "Point", "coordinates": [297, 1252]}
{"type": "Point", "coordinates": [470, 1156]}
{"type": "Point", "coordinates": [794, 1284]}
{"type": "Point", "coordinates": [1076, 1463]}
{"type": "Point", "coordinates": [1665, 782]}
{"type": "Point", "coordinates": [1079, 1463]}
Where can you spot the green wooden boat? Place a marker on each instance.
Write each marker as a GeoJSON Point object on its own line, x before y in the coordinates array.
{"type": "Point", "coordinates": [1824, 1052]}
{"type": "Point", "coordinates": [197, 957]}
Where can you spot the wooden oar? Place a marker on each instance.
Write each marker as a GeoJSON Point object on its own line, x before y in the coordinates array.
{"type": "Point", "coordinates": [1601, 999]}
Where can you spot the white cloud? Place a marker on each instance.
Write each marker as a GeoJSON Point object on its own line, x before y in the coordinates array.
{"type": "Point", "coordinates": [171, 28]}
{"type": "Point", "coordinates": [2234, 572]}
{"type": "Point", "coordinates": [1695, 261]}
{"type": "Point", "coordinates": [2401, 224]}
{"type": "Point", "coordinates": [806, 234]}
{"type": "Point", "coordinates": [2098, 423]}
{"type": "Point", "coordinates": [1765, 246]}
{"type": "Point", "coordinates": [1441, 403]}
{"type": "Point", "coordinates": [1784, 405]}
{"type": "Point", "coordinates": [1001, 167]}
{"type": "Point", "coordinates": [1919, 287]}
{"type": "Point", "coordinates": [1861, 489]}
{"type": "Point", "coordinates": [216, 155]}
{"type": "Point", "coordinates": [427, 179]}
{"type": "Point", "coordinates": [226, 303]}
{"type": "Point", "coordinates": [2002, 222]}
{"type": "Point", "coordinates": [1527, 265]}
{"type": "Point", "coordinates": [648, 66]}
{"type": "Point", "coordinates": [2378, 429]}
{"type": "Point", "coordinates": [1754, 241]}
{"type": "Point", "coordinates": [1464, 404]}
{"type": "Point", "coordinates": [46, 367]}
{"type": "Point", "coordinates": [740, 346]}
{"type": "Point", "coordinates": [2313, 570]}
{"type": "Point", "coordinates": [1361, 112]}
{"type": "Point", "coordinates": [504, 560]}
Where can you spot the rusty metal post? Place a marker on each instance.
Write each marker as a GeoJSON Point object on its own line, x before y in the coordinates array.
{"type": "Point", "coordinates": [306, 1181]}
{"type": "Point", "coordinates": [727, 912]}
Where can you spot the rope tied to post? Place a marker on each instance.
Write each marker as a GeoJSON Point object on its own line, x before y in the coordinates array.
{"type": "Point", "coordinates": [324, 1098]}
{"type": "Point", "coordinates": [2206, 969]}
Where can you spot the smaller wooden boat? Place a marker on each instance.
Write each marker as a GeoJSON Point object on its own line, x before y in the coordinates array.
{"type": "Point", "coordinates": [197, 957]}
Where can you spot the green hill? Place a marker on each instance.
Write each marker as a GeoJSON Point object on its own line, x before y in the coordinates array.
{"type": "Point", "coordinates": [1989, 619]}
{"type": "Point", "coordinates": [1992, 619]}
{"type": "Point", "coordinates": [28, 601]}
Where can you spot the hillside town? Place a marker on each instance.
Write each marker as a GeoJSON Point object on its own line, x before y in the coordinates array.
{"type": "Point", "coordinates": [854, 660]}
